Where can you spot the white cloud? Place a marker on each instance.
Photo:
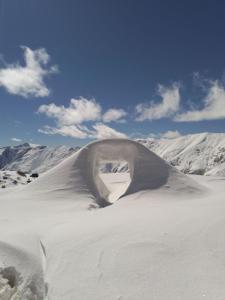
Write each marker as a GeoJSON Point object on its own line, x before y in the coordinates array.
{"type": "Point", "coordinates": [28, 80]}
{"type": "Point", "coordinates": [79, 111]}
{"type": "Point", "coordinates": [105, 132]}
{"type": "Point", "coordinates": [171, 134]}
{"type": "Point", "coordinates": [75, 131]}
{"type": "Point", "coordinates": [152, 136]}
{"type": "Point", "coordinates": [16, 139]}
{"type": "Point", "coordinates": [166, 108]}
{"type": "Point", "coordinates": [99, 131]}
{"type": "Point", "coordinates": [70, 120]}
{"type": "Point", "coordinates": [214, 106]}
{"type": "Point", "coordinates": [114, 115]}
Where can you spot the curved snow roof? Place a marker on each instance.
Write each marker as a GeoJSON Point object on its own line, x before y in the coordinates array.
{"type": "Point", "coordinates": [147, 170]}
{"type": "Point", "coordinates": [78, 174]}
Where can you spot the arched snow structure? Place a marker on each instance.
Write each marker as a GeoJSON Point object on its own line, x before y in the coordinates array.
{"type": "Point", "coordinates": [147, 170]}
{"type": "Point", "coordinates": [77, 177]}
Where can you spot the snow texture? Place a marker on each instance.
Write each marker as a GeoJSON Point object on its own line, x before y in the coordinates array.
{"type": "Point", "coordinates": [80, 172]}
{"type": "Point", "coordinates": [163, 239]}
{"type": "Point", "coordinates": [201, 154]}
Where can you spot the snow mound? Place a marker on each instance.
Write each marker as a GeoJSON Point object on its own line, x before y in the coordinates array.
{"type": "Point", "coordinates": [79, 173]}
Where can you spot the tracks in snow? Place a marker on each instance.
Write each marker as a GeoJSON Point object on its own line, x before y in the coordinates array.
{"type": "Point", "coordinates": [22, 274]}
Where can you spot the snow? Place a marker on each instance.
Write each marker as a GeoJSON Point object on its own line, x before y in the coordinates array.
{"type": "Point", "coordinates": [164, 241]}
{"type": "Point", "coordinates": [33, 158]}
{"type": "Point", "coordinates": [202, 154]}
{"type": "Point", "coordinates": [79, 173]}
{"type": "Point", "coordinates": [116, 185]}
{"type": "Point", "coordinates": [27, 283]}
{"type": "Point", "coordinates": [10, 179]}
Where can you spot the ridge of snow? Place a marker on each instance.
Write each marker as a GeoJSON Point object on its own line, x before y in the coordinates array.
{"type": "Point", "coordinates": [33, 158]}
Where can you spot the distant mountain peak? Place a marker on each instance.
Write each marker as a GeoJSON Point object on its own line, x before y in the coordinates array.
{"type": "Point", "coordinates": [32, 158]}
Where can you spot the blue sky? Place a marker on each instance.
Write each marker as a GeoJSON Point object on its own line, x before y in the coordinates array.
{"type": "Point", "coordinates": [99, 68]}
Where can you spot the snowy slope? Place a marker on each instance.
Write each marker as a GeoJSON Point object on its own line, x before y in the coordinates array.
{"type": "Point", "coordinates": [201, 154]}
{"type": "Point", "coordinates": [30, 158]}
{"type": "Point", "coordinates": [165, 242]}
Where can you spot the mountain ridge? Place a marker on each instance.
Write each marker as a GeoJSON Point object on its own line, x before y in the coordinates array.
{"type": "Point", "coordinates": [202, 154]}
{"type": "Point", "coordinates": [33, 158]}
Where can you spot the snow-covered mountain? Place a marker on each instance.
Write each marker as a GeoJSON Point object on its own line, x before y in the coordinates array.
{"type": "Point", "coordinates": [202, 154]}
{"type": "Point", "coordinates": [33, 158]}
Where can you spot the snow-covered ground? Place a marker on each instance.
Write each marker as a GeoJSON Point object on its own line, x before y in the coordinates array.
{"type": "Point", "coordinates": [162, 242]}
{"type": "Point", "coordinates": [117, 185]}
{"type": "Point", "coordinates": [9, 179]}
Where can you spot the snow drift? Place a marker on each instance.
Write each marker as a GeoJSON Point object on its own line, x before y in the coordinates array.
{"type": "Point", "coordinates": [164, 242]}
{"type": "Point", "coordinates": [79, 172]}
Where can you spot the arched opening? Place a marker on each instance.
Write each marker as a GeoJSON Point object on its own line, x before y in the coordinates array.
{"type": "Point", "coordinates": [147, 170]}
{"type": "Point", "coordinates": [116, 176]}
{"type": "Point", "coordinates": [78, 176]}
